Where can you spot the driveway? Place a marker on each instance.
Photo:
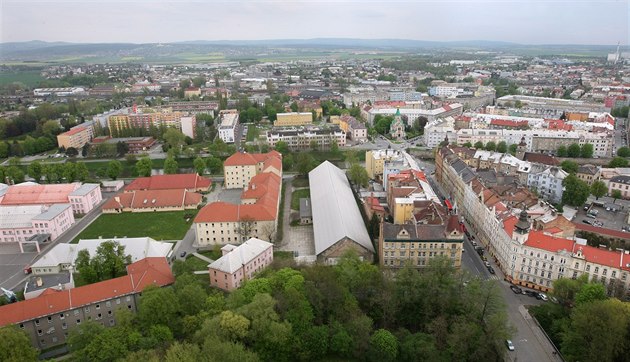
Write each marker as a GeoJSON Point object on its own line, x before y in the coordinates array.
{"type": "Point", "coordinates": [298, 239]}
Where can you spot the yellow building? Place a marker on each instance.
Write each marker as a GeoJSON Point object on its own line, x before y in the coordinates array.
{"type": "Point", "coordinates": [293, 119]}
{"type": "Point", "coordinates": [76, 138]}
{"type": "Point", "coordinates": [191, 92]}
{"type": "Point", "coordinates": [375, 161]}
{"type": "Point", "coordinates": [240, 168]}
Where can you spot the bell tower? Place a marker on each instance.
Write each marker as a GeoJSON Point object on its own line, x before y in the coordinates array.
{"type": "Point", "coordinates": [521, 229]}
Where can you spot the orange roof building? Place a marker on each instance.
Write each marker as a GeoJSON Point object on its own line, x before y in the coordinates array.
{"type": "Point", "coordinates": [153, 200]}
{"type": "Point", "coordinates": [189, 182]}
{"type": "Point", "coordinates": [47, 318]}
{"type": "Point", "coordinates": [256, 215]}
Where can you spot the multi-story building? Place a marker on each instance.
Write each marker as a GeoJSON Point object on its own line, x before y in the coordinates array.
{"type": "Point", "coordinates": [240, 263]}
{"type": "Point", "coordinates": [228, 122]}
{"type": "Point", "coordinates": [189, 126]}
{"type": "Point", "coordinates": [307, 137]}
{"type": "Point", "coordinates": [134, 144]}
{"type": "Point", "coordinates": [404, 190]}
{"type": "Point", "coordinates": [76, 137]}
{"type": "Point", "coordinates": [588, 173]}
{"type": "Point", "coordinates": [533, 258]}
{"type": "Point", "coordinates": [416, 244]}
{"type": "Point", "coordinates": [435, 132]}
{"type": "Point", "coordinates": [201, 107]}
{"type": "Point", "coordinates": [293, 119]}
{"type": "Point", "coordinates": [26, 222]}
{"type": "Point", "coordinates": [412, 114]}
{"type": "Point", "coordinates": [152, 201]}
{"type": "Point", "coordinates": [548, 183]}
{"type": "Point", "coordinates": [82, 197]}
{"type": "Point", "coordinates": [375, 161]}
{"type": "Point", "coordinates": [355, 130]}
{"type": "Point", "coordinates": [189, 182]}
{"type": "Point", "coordinates": [621, 184]}
{"type": "Point", "coordinates": [150, 118]}
{"type": "Point", "coordinates": [260, 176]}
{"type": "Point", "coordinates": [48, 318]}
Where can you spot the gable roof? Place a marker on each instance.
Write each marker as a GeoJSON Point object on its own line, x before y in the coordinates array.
{"type": "Point", "coordinates": [243, 159]}
{"type": "Point", "coordinates": [141, 199]}
{"type": "Point", "coordinates": [335, 211]}
{"type": "Point", "coordinates": [240, 255]}
{"type": "Point", "coordinates": [189, 181]}
{"type": "Point", "coordinates": [149, 271]}
{"type": "Point", "coordinates": [32, 193]}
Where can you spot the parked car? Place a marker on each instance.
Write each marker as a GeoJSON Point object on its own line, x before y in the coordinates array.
{"type": "Point", "coordinates": [531, 293]}
{"type": "Point", "coordinates": [509, 344]}
{"type": "Point", "coordinates": [491, 270]}
{"type": "Point", "coordinates": [587, 222]}
{"type": "Point", "coordinates": [183, 254]}
{"type": "Point", "coordinates": [542, 296]}
{"type": "Point", "coordinates": [516, 289]}
{"type": "Point", "coordinates": [487, 264]}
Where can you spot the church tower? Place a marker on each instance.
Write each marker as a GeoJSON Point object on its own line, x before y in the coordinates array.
{"type": "Point", "coordinates": [397, 128]}
{"type": "Point", "coordinates": [521, 229]}
{"type": "Point", "coordinates": [521, 149]}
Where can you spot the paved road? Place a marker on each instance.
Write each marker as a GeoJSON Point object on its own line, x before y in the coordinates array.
{"type": "Point", "coordinates": [529, 342]}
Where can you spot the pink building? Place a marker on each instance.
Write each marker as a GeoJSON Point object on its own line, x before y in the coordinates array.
{"type": "Point", "coordinates": [239, 263]}
{"type": "Point", "coordinates": [82, 197]}
{"type": "Point", "coordinates": [23, 223]}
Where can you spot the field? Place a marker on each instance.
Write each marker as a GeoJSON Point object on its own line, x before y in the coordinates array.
{"type": "Point", "coordinates": [297, 195]}
{"type": "Point", "coordinates": [157, 225]}
{"type": "Point", "coordinates": [30, 78]}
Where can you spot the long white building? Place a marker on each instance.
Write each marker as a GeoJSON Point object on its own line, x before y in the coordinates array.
{"type": "Point", "coordinates": [229, 122]}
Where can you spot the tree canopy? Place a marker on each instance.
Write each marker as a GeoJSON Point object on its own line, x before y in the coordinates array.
{"type": "Point", "coordinates": [109, 261]}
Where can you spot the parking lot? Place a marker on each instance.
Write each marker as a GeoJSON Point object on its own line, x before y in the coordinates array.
{"type": "Point", "coordinates": [12, 263]}
{"type": "Point", "coordinates": [606, 215]}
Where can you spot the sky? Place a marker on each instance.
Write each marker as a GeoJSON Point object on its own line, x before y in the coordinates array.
{"type": "Point", "coordinates": [598, 22]}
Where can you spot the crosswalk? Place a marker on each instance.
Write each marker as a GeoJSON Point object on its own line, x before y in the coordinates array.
{"type": "Point", "coordinates": [494, 277]}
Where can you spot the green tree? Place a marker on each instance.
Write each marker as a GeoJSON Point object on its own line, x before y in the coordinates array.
{"type": "Point", "coordinates": [479, 145]}
{"type": "Point", "coordinates": [590, 292]}
{"type": "Point", "coordinates": [81, 336]}
{"type": "Point", "coordinates": [158, 306]}
{"type": "Point", "coordinates": [183, 352]}
{"type": "Point", "coordinates": [586, 151]}
{"type": "Point", "coordinates": [81, 171]}
{"type": "Point", "coordinates": [174, 138]}
{"type": "Point", "coordinates": [109, 261]}
{"type": "Point", "coordinates": [72, 152]}
{"type": "Point", "coordinates": [69, 171]}
{"type": "Point", "coordinates": [570, 166]}
{"type": "Point", "coordinates": [144, 166]}
{"type": "Point", "coordinates": [282, 147]}
{"type": "Point", "coordinates": [383, 346]}
{"type": "Point", "coordinates": [214, 165]}
{"type": "Point", "coordinates": [15, 346]}
{"type": "Point", "coordinates": [200, 165]}
{"type": "Point", "coordinates": [170, 165]}
{"type": "Point", "coordinates": [502, 147]}
{"type": "Point", "coordinates": [114, 168]}
{"type": "Point", "coordinates": [623, 151]}
{"type": "Point", "coordinates": [234, 326]}
{"type": "Point", "coordinates": [15, 174]}
{"type": "Point", "coordinates": [573, 150]}
{"type": "Point", "coordinates": [618, 162]}
{"type": "Point", "coordinates": [512, 148]}
{"type": "Point", "coordinates": [562, 151]}
{"type": "Point", "coordinates": [491, 146]}
{"type": "Point", "coordinates": [467, 144]}
{"type": "Point", "coordinates": [35, 170]}
{"type": "Point", "coordinates": [599, 189]}
{"type": "Point", "coordinates": [575, 192]}
{"type": "Point", "coordinates": [616, 194]}
{"type": "Point", "coordinates": [305, 162]}
{"type": "Point", "coordinates": [358, 175]}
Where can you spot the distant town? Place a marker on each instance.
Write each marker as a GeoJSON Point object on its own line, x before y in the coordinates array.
{"type": "Point", "coordinates": [447, 205]}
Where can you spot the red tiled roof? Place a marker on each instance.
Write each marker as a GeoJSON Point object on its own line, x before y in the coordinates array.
{"type": "Point", "coordinates": [540, 240]}
{"type": "Point", "coordinates": [38, 194]}
{"type": "Point", "coordinates": [242, 158]}
{"type": "Point", "coordinates": [190, 181]}
{"type": "Point", "coordinates": [153, 198]}
{"type": "Point", "coordinates": [509, 224]}
{"type": "Point", "coordinates": [508, 123]}
{"type": "Point", "coordinates": [73, 131]}
{"type": "Point", "coordinates": [597, 230]}
{"type": "Point", "coordinates": [374, 204]}
{"type": "Point", "coordinates": [145, 272]}
{"type": "Point", "coordinates": [610, 258]}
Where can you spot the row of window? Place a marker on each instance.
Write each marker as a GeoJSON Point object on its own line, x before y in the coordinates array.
{"type": "Point", "coordinates": [403, 245]}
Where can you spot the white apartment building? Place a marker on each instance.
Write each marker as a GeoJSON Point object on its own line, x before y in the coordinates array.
{"type": "Point", "coordinates": [548, 183]}
{"type": "Point", "coordinates": [229, 122]}
{"type": "Point", "coordinates": [413, 114]}
{"type": "Point", "coordinates": [302, 138]}
{"type": "Point", "coordinates": [436, 131]}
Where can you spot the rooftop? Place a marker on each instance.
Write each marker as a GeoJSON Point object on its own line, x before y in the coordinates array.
{"type": "Point", "coordinates": [240, 255]}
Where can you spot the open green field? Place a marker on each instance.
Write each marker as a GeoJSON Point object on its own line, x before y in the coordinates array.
{"type": "Point", "coordinates": [30, 78]}
{"type": "Point", "coordinates": [157, 225]}
{"type": "Point", "coordinates": [300, 181]}
{"type": "Point", "coordinates": [297, 195]}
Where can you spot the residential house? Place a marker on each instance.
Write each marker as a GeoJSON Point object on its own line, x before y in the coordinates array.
{"type": "Point", "coordinates": [240, 263]}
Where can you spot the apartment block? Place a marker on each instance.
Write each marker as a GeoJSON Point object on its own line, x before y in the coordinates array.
{"type": "Point", "coordinates": [240, 263]}
{"type": "Point", "coordinates": [300, 139]}
{"type": "Point", "coordinates": [293, 119]}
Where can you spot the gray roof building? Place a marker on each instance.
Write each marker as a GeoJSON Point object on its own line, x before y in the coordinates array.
{"type": "Point", "coordinates": [337, 221]}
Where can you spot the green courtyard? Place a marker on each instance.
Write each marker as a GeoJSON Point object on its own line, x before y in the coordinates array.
{"type": "Point", "coordinates": [297, 195]}
{"type": "Point", "coordinates": [157, 225]}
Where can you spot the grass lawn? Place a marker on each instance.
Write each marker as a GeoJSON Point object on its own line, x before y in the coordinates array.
{"type": "Point", "coordinates": [300, 181]}
{"type": "Point", "coordinates": [157, 225]}
{"type": "Point", "coordinates": [252, 133]}
{"type": "Point", "coordinates": [297, 195]}
{"type": "Point", "coordinates": [196, 264]}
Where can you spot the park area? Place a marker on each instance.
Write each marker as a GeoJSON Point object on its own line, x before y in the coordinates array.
{"type": "Point", "coordinates": [157, 225]}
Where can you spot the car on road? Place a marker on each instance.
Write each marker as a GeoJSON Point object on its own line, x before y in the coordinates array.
{"type": "Point", "coordinates": [587, 222]}
{"type": "Point", "coordinates": [542, 296]}
{"type": "Point", "coordinates": [183, 254]}
{"type": "Point", "coordinates": [487, 264]}
{"type": "Point", "coordinates": [491, 270]}
{"type": "Point", "coordinates": [510, 345]}
{"type": "Point", "coordinates": [531, 293]}
{"type": "Point", "coordinates": [516, 289]}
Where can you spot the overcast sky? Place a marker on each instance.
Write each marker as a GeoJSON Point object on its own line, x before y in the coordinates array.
{"type": "Point", "coordinates": [145, 21]}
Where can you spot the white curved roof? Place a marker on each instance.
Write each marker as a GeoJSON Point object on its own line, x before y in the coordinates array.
{"type": "Point", "coordinates": [335, 211]}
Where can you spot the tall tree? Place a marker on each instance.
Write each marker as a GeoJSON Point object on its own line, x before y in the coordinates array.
{"type": "Point", "coordinates": [15, 346]}
{"type": "Point", "coordinates": [174, 138]}
{"type": "Point", "coordinates": [109, 261]}
{"type": "Point", "coordinates": [573, 150]}
{"type": "Point", "coordinates": [170, 165]}
{"type": "Point", "coordinates": [623, 151]}
{"type": "Point", "coordinates": [586, 151]}
{"type": "Point", "coordinates": [562, 151]}
{"type": "Point", "coordinates": [114, 168]}
{"type": "Point", "coordinates": [570, 166]}
{"type": "Point", "coordinates": [502, 147]}
{"type": "Point", "coordinates": [618, 162]}
{"type": "Point", "coordinates": [599, 189]}
{"type": "Point", "coordinates": [358, 175]}
{"type": "Point", "coordinates": [144, 167]}
{"type": "Point", "coordinates": [35, 170]}
{"type": "Point", "coordinates": [575, 192]}
{"type": "Point", "coordinates": [200, 165]}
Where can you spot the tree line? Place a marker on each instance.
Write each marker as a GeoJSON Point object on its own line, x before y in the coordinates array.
{"type": "Point", "coordinates": [351, 311]}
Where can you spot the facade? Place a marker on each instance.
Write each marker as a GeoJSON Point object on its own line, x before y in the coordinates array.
{"type": "Point", "coordinates": [201, 107]}
{"type": "Point", "coordinates": [134, 144]}
{"type": "Point", "coordinates": [355, 130]}
{"type": "Point", "coordinates": [300, 139]}
{"type": "Point", "coordinates": [588, 173]}
{"type": "Point", "coordinates": [189, 126]}
{"type": "Point", "coordinates": [153, 201]}
{"type": "Point", "coordinates": [82, 197]}
{"type": "Point", "coordinates": [189, 182]}
{"type": "Point", "coordinates": [293, 119]}
{"type": "Point", "coordinates": [532, 258]}
{"type": "Point", "coordinates": [150, 119]}
{"type": "Point", "coordinates": [240, 168]}
{"type": "Point", "coordinates": [412, 114]}
{"type": "Point", "coordinates": [240, 263]}
{"type": "Point", "coordinates": [77, 137]}
{"type": "Point", "coordinates": [337, 222]}
{"type": "Point", "coordinates": [48, 318]}
{"type": "Point", "coordinates": [228, 122]}
{"type": "Point", "coordinates": [62, 256]}
{"type": "Point", "coordinates": [548, 183]}
{"type": "Point", "coordinates": [416, 244]}
{"type": "Point", "coordinates": [24, 222]}
{"type": "Point", "coordinates": [621, 184]}
{"type": "Point", "coordinates": [260, 177]}
{"type": "Point", "coordinates": [397, 128]}
{"type": "Point", "coordinates": [375, 161]}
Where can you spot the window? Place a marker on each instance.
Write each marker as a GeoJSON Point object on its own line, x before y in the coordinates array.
{"type": "Point", "coordinates": [78, 321]}
{"type": "Point", "coordinates": [64, 325]}
{"type": "Point", "coordinates": [98, 306]}
{"type": "Point", "coordinates": [39, 332]}
{"type": "Point", "coordinates": [49, 319]}
{"type": "Point", "coordinates": [108, 304]}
